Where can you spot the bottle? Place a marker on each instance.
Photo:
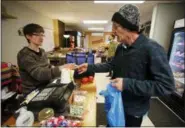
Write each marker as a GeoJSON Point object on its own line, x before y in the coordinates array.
{"type": "Point", "coordinates": [25, 118]}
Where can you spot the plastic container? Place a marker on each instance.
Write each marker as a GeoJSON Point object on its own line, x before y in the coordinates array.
{"type": "Point", "coordinates": [25, 118]}
{"type": "Point", "coordinates": [45, 114]}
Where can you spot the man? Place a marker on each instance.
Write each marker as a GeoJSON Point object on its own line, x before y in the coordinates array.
{"type": "Point", "coordinates": [111, 50]}
{"type": "Point", "coordinates": [34, 68]}
{"type": "Point", "coordinates": [140, 66]}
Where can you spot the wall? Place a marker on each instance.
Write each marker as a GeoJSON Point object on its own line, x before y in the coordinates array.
{"type": "Point", "coordinates": [94, 41]}
{"type": "Point", "coordinates": [56, 32]}
{"type": "Point", "coordinates": [59, 29]}
{"type": "Point", "coordinates": [11, 41]}
{"type": "Point", "coordinates": [163, 19]}
{"type": "Point", "coordinates": [86, 42]}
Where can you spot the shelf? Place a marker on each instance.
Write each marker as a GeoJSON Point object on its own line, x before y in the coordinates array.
{"type": "Point", "coordinates": [8, 95]}
{"type": "Point", "coordinates": [179, 56]}
{"type": "Point", "coordinates": [5, 15]}
{"type": "Point", "coordinates": [181, 80]}
{"type": "Point", "coordinates": [180, 44]}
{"type": "Point", "coordinates": [176, 66]}
{"type": "Point", "coordinates": [178, 93]}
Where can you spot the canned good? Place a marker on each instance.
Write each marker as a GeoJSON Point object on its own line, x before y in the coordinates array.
{"type": "Point", "coordinates": [55, 121]}
{"type": "Point", "coordinates": [49, 124]}
{"type": "Point", "coordinates": [43, 123]}
{"type": "Point", "coordinates": [78, 123]}
{"type": "Point", "coordinates": [61, 117]}
{"type": "Point", "coordinates": [74, 124]}
{"type": "Point", "coordinates": [69, 122]}
{"type": "Point", "coordinates": [64, 123]}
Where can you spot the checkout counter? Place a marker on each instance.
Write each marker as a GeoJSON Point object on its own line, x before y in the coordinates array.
{"type": "Point", "coordinates": [89, 114]}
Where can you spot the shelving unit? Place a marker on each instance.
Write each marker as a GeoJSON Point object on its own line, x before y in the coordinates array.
{"type": "Point", "coordinates": [177, 61]}
{"type": "Point", "coordinates": [175, 101]}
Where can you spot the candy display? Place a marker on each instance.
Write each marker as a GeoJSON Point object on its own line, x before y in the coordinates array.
{"type": "Point", "coordinates": [61, 121]}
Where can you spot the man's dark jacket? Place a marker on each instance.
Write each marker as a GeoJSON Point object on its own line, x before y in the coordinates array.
{"type": "Point", "coordinates": [145, 71]}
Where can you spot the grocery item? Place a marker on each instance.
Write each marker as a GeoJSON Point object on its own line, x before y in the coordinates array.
{"type": "Point", "coordinates": [45, 114]}
{"type": "Point", "coordinates": [79, 97]}
{"type": "Point", "coordinates": [76, 110]}
{"type": "Point", "coordinates": [84, 80]}
{"type": "Point", "coordinates": [25, 118]}
{"type": "Point", "coordinates": [91, 78]}
{"type": "Point", "coordinates": [178, 74]}
{"type": "Point", "coordinates": [61, 121]}
{"type": "Point", "coordinates": [88, 79]}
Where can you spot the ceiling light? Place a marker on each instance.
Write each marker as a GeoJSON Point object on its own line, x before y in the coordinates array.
{"type": "Point", "coordinates": [96, 29]}
{"type": "Point", "coordinates": [95, 21]}
{"type": "Point", "coordinates": [66, 36]}
{"type": "Point", "coordinates": [118, 2]}
{"type": "Point", "coordinates": [97, 34]}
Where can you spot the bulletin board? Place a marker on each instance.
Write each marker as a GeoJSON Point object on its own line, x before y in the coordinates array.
{"type": "Point", "coordinates": [48, 43]}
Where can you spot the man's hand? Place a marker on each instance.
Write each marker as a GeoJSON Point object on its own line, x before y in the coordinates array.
{"type": "Point", "coordinates": [71, 66]}
{"type": "Point", "coordinates": [118, 83]}
{"type": "Point", "coordinates": [82, 68]}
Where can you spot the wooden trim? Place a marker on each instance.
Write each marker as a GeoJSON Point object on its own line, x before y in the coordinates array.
{"type": "Point", "coordinates": [56, 32]}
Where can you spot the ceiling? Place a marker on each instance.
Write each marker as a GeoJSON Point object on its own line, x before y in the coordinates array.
{"type": "Point", "coordinates": [72, 13]}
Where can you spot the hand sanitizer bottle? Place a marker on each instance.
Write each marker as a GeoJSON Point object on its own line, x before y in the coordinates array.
{"type": "Point", "coordinates": [25, 117]}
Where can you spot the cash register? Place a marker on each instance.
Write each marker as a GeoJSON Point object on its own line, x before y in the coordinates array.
{"type": "Point", "coordinates": [55, 95]}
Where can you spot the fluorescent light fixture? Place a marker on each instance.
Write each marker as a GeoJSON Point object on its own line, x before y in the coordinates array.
{"type": "Point", "coordinates": [96, 29]}
{"type": "Point", "coordinates": [95, 21]}
{"type": "Point", "coordinates": [66, 36]}
{"type": "Point", "coordinates": [118, 2]}
{"type": "Point", "coordinates": [97, 34]}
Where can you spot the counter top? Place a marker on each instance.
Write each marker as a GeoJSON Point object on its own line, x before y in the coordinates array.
{"type": "Point", "coordinates": [90, 108]}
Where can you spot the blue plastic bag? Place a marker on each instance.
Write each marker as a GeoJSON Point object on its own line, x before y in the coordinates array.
{"type": "Point", "coordinates": [114, 107]}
